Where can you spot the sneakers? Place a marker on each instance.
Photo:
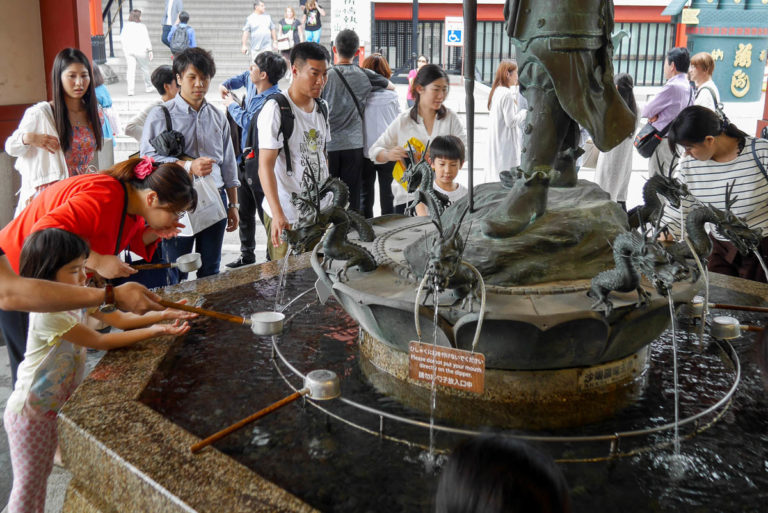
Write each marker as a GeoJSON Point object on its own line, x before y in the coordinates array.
{"type": "Point", "coordinates": [241, 262]}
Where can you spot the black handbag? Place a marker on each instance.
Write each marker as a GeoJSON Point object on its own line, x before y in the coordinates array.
{"type": "Point", "coordinates": [170, 142]}
{"type": "Point", "coordinates": [648, 139]}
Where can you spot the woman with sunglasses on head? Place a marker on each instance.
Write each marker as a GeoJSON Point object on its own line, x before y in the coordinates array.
{"type": "Point", "coordinates": [133, 203]}
{"type": "Point", "coordinates": [58, 139]}
{"type": "Point", "coordinates": [421, 61]}
{"type": "Point", "coordinates": [716, 154]}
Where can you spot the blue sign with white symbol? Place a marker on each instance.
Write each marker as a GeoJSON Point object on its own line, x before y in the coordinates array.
{"type": "Point", "coordinates": [454, 31]}
{"type": "Point", "coordinates": [454, 37]}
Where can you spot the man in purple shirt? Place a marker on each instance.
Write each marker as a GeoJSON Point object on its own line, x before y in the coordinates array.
{"type": "Point", "coordinates": [676, 95]}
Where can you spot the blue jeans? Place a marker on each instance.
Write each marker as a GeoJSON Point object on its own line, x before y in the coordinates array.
{"type": "Point", "coordinates": [207, 242]}
{"type": "Point", "coordinates": [313, 36]}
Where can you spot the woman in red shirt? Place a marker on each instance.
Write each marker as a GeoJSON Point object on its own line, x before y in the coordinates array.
{"type": "Point", "coordinates": [134, 202]}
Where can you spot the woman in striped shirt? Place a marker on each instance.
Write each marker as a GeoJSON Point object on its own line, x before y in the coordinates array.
{"type": "Point", "coordinates": [716, 154]}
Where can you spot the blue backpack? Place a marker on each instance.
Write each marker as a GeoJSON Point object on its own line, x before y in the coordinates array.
{"type": "Point", "coordinates": [180, 40]}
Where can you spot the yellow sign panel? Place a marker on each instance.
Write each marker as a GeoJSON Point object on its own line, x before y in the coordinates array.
{"type": "Point", "coordinates": [690, 16]}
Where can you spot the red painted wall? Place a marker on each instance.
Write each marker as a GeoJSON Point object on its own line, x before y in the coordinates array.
{"type": "Point", "coordinates": [495, 12]}
{"type": "Point", "coordinates": [64, 23]}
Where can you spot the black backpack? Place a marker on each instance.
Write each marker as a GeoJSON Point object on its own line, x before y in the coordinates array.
{"type": "Point", "coordinates": [251, 150]}
{"type": "Point", "coordinates": [180, 40]}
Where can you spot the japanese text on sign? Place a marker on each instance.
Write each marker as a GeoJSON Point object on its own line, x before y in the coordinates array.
{"type": "Point", "coordinates": [449, 367]}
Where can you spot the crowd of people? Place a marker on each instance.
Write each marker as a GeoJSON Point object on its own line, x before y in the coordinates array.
{"type": "Point", "coordinates": [202, 171]}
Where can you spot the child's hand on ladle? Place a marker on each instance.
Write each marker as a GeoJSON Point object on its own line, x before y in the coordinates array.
{"type": "Point", "coordinates": [173, 313]}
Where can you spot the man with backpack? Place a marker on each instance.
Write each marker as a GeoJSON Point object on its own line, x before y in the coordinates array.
{"type": "Point", "coordinates": [260, 83]}
{"type": "Point", "coordinates": [182, 36]}
{"type": "Point", "coordinates": [347, 89]}
{"type": "Point", "coordinates": [288, 153]}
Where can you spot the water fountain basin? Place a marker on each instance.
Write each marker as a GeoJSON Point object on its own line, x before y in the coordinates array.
{"type": "Point", "coordinates": [544, 326]}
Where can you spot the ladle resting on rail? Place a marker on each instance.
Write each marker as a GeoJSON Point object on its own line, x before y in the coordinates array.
{"type": "Point", "coordinates": [320, 385]}
{"type": "Point", "coordinates": [261, 323]}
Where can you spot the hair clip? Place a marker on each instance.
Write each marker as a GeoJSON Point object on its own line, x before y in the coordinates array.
{"type": "Point", "coordinates": [144, 168]}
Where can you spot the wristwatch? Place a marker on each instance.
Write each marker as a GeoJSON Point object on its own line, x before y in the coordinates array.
{"type": "Point", "coordinates": [233, 205]}
{"type": "Point", "coordinates": [109, 305]}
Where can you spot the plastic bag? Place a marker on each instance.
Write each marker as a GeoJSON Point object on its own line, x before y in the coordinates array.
{"type": "Point", "coordinates": [210, 209]}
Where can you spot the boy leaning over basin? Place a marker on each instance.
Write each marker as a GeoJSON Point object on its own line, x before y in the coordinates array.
{"type": "Point", "coordinates": [280, 176]}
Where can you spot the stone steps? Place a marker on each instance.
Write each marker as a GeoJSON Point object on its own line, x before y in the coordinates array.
{"type": "Point", "coordinates": [217, 31]}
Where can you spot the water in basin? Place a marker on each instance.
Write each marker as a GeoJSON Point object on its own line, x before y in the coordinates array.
{"type": "Point", "coordinates": [220, 374]}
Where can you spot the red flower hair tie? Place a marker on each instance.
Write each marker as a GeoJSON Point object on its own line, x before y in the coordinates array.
{"type": "Point", "coordinates": [144, 168]}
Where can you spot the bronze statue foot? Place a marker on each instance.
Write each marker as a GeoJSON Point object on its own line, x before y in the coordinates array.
{"type": "Point", "coordinates": [526, 201]}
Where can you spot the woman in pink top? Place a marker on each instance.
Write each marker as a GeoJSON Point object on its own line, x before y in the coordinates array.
{"type": "Point", "coordinates": [411, 75]}
{"type": "Point", "coordinates": [58, 139]}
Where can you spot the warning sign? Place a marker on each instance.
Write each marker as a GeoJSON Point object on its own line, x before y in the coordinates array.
{"type": "Point", "coordinates": [449, 367]}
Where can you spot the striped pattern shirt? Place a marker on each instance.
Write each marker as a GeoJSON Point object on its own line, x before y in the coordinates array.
{"type": "Point", "coordinates": [707, 180]}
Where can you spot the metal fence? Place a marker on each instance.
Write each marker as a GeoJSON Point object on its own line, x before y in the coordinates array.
{"type": "Point", "coordinates": [393, 40]}
{"type": "Point", "coordinates": [641, 54]}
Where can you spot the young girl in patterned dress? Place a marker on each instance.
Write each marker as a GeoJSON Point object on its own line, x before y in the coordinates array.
{"type": "Point", "coordinates": [54, 361]}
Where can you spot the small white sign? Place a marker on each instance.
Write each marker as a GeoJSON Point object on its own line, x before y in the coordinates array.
{"type": "Point", "coordinates": [454, 31]}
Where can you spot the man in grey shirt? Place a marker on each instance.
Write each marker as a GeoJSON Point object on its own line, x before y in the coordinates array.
{"type": "Point", "coordinates": [345, 149]}
{"type": "Point", "coordinates": [261, 30]}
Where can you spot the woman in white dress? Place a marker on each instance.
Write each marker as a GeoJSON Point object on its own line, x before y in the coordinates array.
{"type": "Point", "coordinates": [615, 166]}
{"type": "Point", "coordinates": [508, 110]}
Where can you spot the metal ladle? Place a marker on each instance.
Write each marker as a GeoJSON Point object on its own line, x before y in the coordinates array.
{"type": "Point", "coordinates": [727, 328]}
{"type": "Point", "coordinates": [261, 323]}
{"type": "Point", "coordinates": [321, 385]}
{"type": "Point", "coordinates": [188, 263]}
{"type": "Point", "coordinates": [697, 305]}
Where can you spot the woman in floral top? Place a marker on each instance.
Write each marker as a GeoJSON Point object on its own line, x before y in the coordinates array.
{"type": "Point", "coordinates": [63, 132]}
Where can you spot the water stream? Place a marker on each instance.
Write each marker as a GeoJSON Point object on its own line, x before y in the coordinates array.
{"type": "Point", "coordinates": [756, 251]}
{"type": "Point", "coordinates": [282, 277]}
{"type": "Point", "coordinates": [674, 374]}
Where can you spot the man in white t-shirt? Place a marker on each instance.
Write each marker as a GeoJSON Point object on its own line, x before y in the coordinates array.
{"type": "Point", "coordinates": [261, 30]}
{"type": "Point", "coordinates": [306, 143]}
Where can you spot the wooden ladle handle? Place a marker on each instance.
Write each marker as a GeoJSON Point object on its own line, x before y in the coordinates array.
{"type": "Point", "coordinates": [202, 311]}
{"type": "Point", "coordinates": [144, 267]}
{"type": "Point", "coordinates": [237, 425]}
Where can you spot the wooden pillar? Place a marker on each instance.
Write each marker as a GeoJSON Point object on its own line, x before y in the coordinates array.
{"type": "Point", "coordinates": [97, 22]}
{"type": "Point", "coordinates": [65, 23]}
